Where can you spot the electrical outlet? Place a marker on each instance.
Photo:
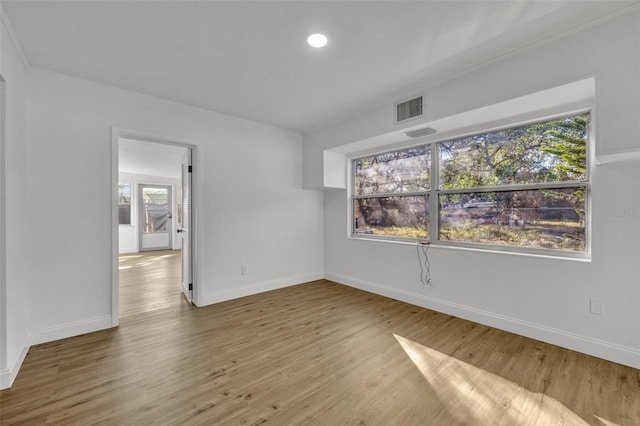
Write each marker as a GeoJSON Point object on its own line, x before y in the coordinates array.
{"type": "Point", "coordinates": [243, 270]}
{"type": "Point", "coordinates": [595, 306]}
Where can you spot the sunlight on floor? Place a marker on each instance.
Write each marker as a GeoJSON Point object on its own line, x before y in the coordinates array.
{"type": "Point", "coordinates": [472, 395]}
{"type": "Point", "coordinates": [125, 257]}
{"type": "Point", "coordinates": [606, 422]}
{"type": "Point", "coordinates": [147, 261]}
{"type": "Point", "coordinates": [149, 281]}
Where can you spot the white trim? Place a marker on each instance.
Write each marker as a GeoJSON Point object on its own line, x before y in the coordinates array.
{"type": "Point", "coordinates": [13, 37]}
{"type": "Point", "coordinates": [249, 290]}
{"type": "Point", "coordinates": [115, 230]}
{"type": "Point", "coordinates": [71, 329]}
{"type": "Point", "coordinates": [3, 241]}
{"type": "Point", "coordinates": [8, 375]}
{"type": "Point", "coordinates": [598, 348]}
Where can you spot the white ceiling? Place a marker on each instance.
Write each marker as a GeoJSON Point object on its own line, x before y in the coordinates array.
{"type": "Point", "coordinates": [152, 159]}
{"type": "Point", "coordinates": [250, 58]}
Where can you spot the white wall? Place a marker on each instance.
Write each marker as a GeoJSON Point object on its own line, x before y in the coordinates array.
{"type": "Point", "coordinates": [14, 303]}
{"type": "Point", "coordinates": [250, 205]}
{"type": "Point", "coordinates": [544, 298]}
{"type": "Point", "coordinates": [129, 236]}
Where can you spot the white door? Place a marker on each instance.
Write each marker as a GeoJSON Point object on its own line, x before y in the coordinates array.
{"type": "Point", "coordinates": [184, 230]}
{"type": "Point", "coordinates": [155, 217]}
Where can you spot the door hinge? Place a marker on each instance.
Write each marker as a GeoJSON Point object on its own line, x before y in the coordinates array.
{"type": "Point", "coordinates": [190, 286]}
{"type": "Point", "coordinates": [190, 169]}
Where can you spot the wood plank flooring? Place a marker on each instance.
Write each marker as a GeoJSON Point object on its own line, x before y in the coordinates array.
{"type": "Point", "coordinates": [150, 280]}
{"type": "Point", "coordinates": [318, 353]}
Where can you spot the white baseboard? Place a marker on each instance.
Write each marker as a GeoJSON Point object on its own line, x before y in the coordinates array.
{"type": "Point", "coordinates": [8, 375]}
{"type": "Point", "coordinates": [249, 290]}
{"type": "Point", "coordinates": [601, 349]}
{"type": "Point", "coordinates": [70, 329]}
{"type": "Point", "coordinates": [127, 250]}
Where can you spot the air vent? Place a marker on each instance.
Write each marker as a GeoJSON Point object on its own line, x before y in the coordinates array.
{"type": "Point", "coordinates": [409, 109]}
{"type": "Point", "coordinates": [421, 132]}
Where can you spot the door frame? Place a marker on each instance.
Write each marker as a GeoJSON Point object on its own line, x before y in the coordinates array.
{"type": "Point", "coordinates": [5, 380]}
{"type": "Point", "coordinates": [117, 133]}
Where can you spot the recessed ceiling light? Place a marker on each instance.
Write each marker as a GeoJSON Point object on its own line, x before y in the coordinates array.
{"type": "Point", "coordinates": [317, 40]}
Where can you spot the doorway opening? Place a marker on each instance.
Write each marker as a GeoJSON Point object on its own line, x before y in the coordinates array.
{"type": "Point", "coordinates": [152, 254]}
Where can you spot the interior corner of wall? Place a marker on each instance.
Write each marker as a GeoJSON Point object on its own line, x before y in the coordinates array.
{"type": "Point", "coordinates": [9, 374]}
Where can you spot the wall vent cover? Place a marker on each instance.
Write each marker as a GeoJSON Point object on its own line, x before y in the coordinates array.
{"type": "Point", "coordinates": [409, 109]}
{"type": "Point", "coordinates": [421, 132]}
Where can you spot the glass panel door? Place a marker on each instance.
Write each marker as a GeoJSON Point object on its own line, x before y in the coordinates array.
{"type": "Point", "coordinates": [155, 217]}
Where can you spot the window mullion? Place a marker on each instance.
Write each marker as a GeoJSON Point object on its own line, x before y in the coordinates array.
{"type": "Point", "coordinates": [393, 194]}
{"type": "Point", "coordinates": [433, 194]}
{"type": "Point", "coordinates": [517, 187]}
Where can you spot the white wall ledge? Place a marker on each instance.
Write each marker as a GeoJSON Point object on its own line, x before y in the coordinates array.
{"type": "Point", "coordinates": [617, 157]}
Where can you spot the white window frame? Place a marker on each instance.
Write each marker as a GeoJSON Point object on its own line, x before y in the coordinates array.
{"type": "Point", "coordinates": [434, 191]}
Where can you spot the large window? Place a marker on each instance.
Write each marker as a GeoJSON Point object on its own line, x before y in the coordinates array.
{"type": "Point", "coordinates": [523, 187]}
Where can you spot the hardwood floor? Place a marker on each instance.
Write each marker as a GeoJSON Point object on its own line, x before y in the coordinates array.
{"type": "Point", "coordinates": [150, 280]}
{"type": "Point", "coordinates": [318, 353]}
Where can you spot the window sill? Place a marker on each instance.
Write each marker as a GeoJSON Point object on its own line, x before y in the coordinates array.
{"type": "Point", "coordinates": [571, 256]}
